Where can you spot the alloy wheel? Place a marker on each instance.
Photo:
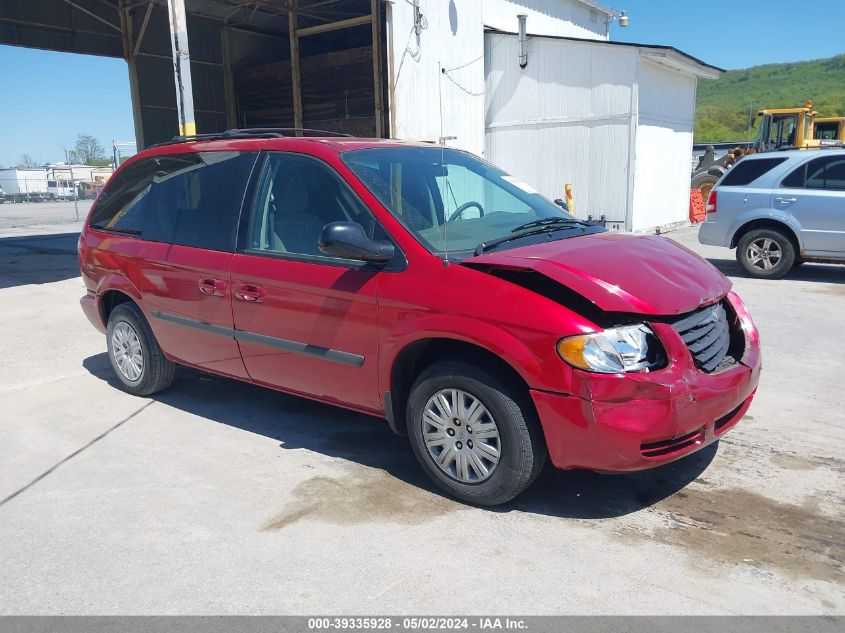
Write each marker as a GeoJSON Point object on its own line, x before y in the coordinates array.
{"type": "Point", "coordinates": [764, 253]}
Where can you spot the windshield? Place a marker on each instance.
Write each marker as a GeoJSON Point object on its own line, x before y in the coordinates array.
{"type": "Point", "coordinates": [450, 200]}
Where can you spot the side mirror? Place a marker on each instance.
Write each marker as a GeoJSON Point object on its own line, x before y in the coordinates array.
{"type": "Point", "coordinates": [348, 241]}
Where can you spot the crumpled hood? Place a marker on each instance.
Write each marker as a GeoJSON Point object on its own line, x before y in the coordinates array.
{"type": "Point", "coordinates": [621, 272]}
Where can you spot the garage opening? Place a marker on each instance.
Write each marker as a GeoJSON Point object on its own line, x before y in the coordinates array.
{"type": "Point", "coordinates": [268, 63]}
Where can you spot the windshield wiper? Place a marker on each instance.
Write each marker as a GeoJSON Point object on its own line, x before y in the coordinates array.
{"type": "Point", "coordinates": [551, 221]}
{"type": "Point", "coordinates": [532, 228]}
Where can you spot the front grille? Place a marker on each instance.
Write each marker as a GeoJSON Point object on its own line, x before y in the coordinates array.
{"type": "Point", "coordinates": [707, 334]}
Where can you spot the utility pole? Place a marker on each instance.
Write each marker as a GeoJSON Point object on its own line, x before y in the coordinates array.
{"type": "Point", "coordinates": [182, 67]}
{"type": "Point", "coordinates": [75, 194]}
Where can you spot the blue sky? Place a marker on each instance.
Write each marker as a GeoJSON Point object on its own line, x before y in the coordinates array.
{"type": "Point", "coordinates": [48, 98]}
{"type": "Point", "coordinates": [736, 33]}
{"type": "Point", "coordinates": [56, 96]}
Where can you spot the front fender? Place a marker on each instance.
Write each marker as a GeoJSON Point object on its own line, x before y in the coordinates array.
{"type": "Point", "coordinates": [518, 352]}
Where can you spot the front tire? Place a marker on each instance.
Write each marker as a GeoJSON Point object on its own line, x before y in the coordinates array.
{"type": "Point", "coordinates": [475, 435]}
{"type": "Point", "coordinates": [134, 353]}
{"type": "Point", "coordinates": [765, 253]}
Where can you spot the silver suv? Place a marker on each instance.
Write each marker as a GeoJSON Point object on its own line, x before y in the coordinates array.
{"type": "Point", "coordinates": [779, 210]}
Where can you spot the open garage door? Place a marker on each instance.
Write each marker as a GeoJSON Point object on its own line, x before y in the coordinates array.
{"type": "Point", "coordinates": [253, 63]}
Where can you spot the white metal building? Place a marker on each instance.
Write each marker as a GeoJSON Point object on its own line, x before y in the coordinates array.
{"type": "Point", "coordinates": [615, 120]}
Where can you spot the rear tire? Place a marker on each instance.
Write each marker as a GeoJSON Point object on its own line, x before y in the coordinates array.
{"type": "Point", "coordinates": [489, 464]}
{"type": "Point", "coordinates": [765, 253]}
{"type": "Point", "coordinates": [705, 183]}
{"type": "Point", "coordinates": [134, 353]}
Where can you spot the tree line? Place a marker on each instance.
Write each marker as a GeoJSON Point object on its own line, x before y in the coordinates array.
{"type": "Point", "coordinates": [723, 106]}
{"type": "Point", "coordinates": [86, 150]}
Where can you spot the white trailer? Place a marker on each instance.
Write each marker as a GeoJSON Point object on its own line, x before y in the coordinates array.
{"type": "Point", "coordinates": [24, 184]}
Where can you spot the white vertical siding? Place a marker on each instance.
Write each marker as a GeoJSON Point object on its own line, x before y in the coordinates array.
{"type": "Point", "coordinates": [565, 118]}
{"type": "Point", "coordinates": [454, 37]}
{"type": "Point", "coordinates": [663, 146]}
{"type": "Point", "coordinates": [568, 18]}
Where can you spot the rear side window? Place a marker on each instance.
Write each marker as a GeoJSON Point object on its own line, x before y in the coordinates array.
{"type": "Point", "coordinates": [826, 172]}
{"type": "Point", "coordinates": [747, 171]}
{"type": "Point", "coordinates": [186, 199]}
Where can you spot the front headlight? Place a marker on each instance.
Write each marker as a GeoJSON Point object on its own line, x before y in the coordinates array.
{"type": "Point", "coordinates": [615, 350]}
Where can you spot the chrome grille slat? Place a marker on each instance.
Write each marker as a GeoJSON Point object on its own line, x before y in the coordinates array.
{"type": "Point", "coordinates": [707, 336]}
{"type": "Point", "coordinates": [705, 341]}
{"type": "Point", "coordinates": [716, 353]}
{"type": "Point", "coordinates": [693, 335]}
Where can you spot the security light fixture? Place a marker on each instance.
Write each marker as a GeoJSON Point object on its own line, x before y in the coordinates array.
{"type": "Point", "coordinates": [622, 16]}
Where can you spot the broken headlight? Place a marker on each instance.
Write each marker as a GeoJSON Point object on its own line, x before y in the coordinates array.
{"type": "Point", "coordinates": [630, 348]}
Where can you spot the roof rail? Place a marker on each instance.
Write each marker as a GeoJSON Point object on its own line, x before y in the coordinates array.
{"type": "Point", "coordinates": [244, 133]}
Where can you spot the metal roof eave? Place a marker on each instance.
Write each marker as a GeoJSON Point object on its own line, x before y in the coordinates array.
{"type": "Point", "coordinates": [685, 62]}
{"type": "Point", "coordinates": [681, 62]}
{"type": "Point", "coordinates": [598, 6]}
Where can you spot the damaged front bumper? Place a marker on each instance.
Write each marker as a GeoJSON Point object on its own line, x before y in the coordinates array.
{"type": "Point", "coordinates": [626, 422]}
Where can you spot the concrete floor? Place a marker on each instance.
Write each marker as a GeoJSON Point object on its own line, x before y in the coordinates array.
{"type": "Point", "coordinates": [221, 497]}
{"type": "Point", "coordinates": [26, 214]}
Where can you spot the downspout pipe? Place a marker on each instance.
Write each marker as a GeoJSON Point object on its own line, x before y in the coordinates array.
{"type": "Point", "coordinates": [523, 41]}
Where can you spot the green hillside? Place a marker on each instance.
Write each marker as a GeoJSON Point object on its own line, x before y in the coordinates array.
{"type": "Point", "coordinates": [722, 106]}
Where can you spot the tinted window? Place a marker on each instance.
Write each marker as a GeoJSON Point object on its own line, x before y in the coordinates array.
{"type": "Point", "coordinates": [120, 207]}
{"type": "Point", "coordinates": [747, 171]}
{"type": "Point", "coordinates": [297, 197]}
{"type": "Point", "coordinates": [187, 199]}
{"type": "Point", "coordinates": [826, 173]}
{"type": "Point", "coordinates": [796, 178]}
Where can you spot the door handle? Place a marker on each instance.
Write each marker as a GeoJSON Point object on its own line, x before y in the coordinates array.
{"type": "Point", "coordinates": [250, 293]}
{"type": "Point", "coordinates": [213, 287]}
{"type": "Point", "coordinates": [786, 200]}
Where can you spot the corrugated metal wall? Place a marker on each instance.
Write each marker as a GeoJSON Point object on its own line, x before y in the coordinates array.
{"type": "Point", "coordinates": [453, 39]}
{"type": "Point", "coordinates": [664, 143]}
{"type": "Point", "coordinates": [608, 119]}
{"type": "Point", "coordinates": [156, 90]}
{"type": "Point", "coordinates": [565, 118]}
{"type": "Point", "coordinates": [567, 18]}
{"type": "Point", "coordinates": [452, 35]}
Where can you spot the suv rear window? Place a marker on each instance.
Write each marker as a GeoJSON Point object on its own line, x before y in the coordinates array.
{"type": "Point", "coordinates": [186, 199]}
{"type": "Point", "coordinates": [747, 171]}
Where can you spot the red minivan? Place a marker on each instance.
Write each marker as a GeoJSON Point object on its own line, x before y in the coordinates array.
{"type": "Point", "coordinates": [422, 285]}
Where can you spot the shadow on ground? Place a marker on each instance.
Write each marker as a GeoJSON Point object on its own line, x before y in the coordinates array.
{"type": "Point", "coordinates": [824, 273]}
{"type": "Point", "coordinates": [298, 423]}
{"type": "Point", "coordinates": [38, 259]}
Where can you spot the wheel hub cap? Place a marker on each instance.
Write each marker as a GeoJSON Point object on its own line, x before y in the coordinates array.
{"type": "Point", "coordinates": [126, 351]}
{"type": "Point", "coordinates": [461, 436]}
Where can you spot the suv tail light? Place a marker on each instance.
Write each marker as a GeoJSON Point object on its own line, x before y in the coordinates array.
{"type": "Point", "coordinates": [711, 202]}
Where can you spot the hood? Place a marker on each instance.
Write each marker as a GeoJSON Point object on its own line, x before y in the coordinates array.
{"type": "Point", "coordinates": [620, 272]}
